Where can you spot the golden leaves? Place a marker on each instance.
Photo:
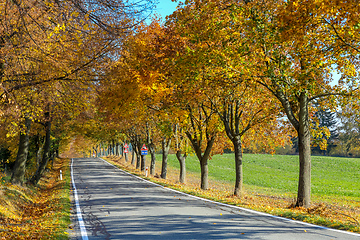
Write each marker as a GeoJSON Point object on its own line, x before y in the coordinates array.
{"type": "Point", "coordinates": [32, 214]}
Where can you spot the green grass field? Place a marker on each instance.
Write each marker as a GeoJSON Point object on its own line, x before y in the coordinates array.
{"type": "Point", "coordinates": [278, 174]}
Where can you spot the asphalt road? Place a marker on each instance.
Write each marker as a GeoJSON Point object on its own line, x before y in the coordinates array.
{"type": "Point", "coordinates": [116, 205]}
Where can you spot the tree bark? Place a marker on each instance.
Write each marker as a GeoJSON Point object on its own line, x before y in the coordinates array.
{"type": "Point", "coordinates": [165, 144]}
{"type": "Point", "coordinates": [204, 174]}
{"type": "Point", "coordinates": [304, 186]}
{"type": "Point", "coordinates": [231, 117]}
{"type": "Point", "coordinates": [153, 158]}
{"type": "Point", "coordinates": [138, 155]}
{"type": "Point", "coordinates": [238, 166]}
{"type": "Point", "coordinates": [18, 172]}
{"type": "Point", "coordinates": [143, 162]}
{"type": "Point", "coordinates": [133, 147]}
{"type": "Point", "coordinates": [40, 150]}
{"type": "Point", "coordinates": [203, 158]}
{"type": "Point", "coordinates": [46, 154]}
{"type": "Point", "coordinates": [117, 149]}
{"type": "Point", "coordinates": [181, 158]}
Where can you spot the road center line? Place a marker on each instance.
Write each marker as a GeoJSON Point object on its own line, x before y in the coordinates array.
{"type": "Point", "coordinates": [78, 209]}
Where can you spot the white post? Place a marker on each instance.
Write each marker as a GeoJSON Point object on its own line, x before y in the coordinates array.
{"type": "Point", "coordinates": [61, 175]}
{"type": "Point", "coordinates": [146, 171]}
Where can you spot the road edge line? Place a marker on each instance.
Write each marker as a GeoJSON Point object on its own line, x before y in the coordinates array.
{"type": "Point", "coordinates": [77, 204]}
{"type": "Point", "coordinates": [236, 207]}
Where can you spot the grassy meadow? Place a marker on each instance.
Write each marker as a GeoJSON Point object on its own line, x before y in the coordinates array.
{"type": "Point", "coordinates": [278, 174]}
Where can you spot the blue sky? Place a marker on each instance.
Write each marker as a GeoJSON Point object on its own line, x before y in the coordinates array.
{"type": "Point", "coordinates": [165, 7]}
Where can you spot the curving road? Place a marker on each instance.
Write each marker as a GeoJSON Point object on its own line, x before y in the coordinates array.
{"type": "Point", "coordinates": [113, 204]}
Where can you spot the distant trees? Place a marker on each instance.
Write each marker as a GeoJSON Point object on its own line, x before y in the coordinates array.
{"type": "Point", "coordinates": [326, 120]}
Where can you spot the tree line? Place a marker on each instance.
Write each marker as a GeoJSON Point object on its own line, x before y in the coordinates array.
{"type": "Point", "coordinates": [239, 75]}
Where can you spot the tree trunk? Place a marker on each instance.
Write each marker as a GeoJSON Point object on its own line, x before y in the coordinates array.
{"type": "Point", "coordinates": [18, 172]}
{"type": "Point", "coordinates": [165, 144]}
{"type": "Point", "coordinates": [204, 173]}
{"type": "Point", "coordinates": [203, 158]}
{"type": "Point", "coordinates": [238, 166]}
{"type": "Point", "coordinates": [138, 155]}
{"type": "Point", "coordinates": [39, 151]}
{"type": "Point", "coordinates": [46, 155]}
{"type": "Point", "coordinates": [181, 158]}
{"type": "Point", "coordinates": [126, 157]}
{"type": "Point", "coordinates": [143, 162]}
{"type": "Point", "coordinates": [153, 158]}
{"type": "Point", "coordinates": [117, 149]}
{"type": "Point", "coordinates": [133, 155]}
{"type": "Point", "coordinates": [304, 186]}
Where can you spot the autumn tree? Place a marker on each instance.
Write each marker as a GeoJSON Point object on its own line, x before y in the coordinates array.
{"type": "Point", "coordinates": [296, 67]}
{"type": "Point", "coordinates": [210, 58]}
{"type": "Point", "coordinates": [37, 37]}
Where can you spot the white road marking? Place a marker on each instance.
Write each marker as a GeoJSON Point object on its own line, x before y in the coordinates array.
{"type": "Point", "coordinates": [236, 207]}
{"type": "Point", "coordinates": [78, 209]}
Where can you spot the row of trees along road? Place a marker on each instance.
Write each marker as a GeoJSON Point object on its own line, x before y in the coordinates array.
{"type": "Point", "coordinates": [216, 75]}
{"type": "Point", "coordinates": [52, 55]}
{"type": "Point", "coordinates": [233, 74]}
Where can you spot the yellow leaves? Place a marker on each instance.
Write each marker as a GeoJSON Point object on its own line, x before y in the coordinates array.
{"type": "Point", "coordinates": [33, 214]}
{"type": "Point", "coordinates": [75, 14]}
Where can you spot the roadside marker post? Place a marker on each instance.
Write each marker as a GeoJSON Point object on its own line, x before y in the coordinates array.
{"type": "Point", "coordinates": [60, 175]}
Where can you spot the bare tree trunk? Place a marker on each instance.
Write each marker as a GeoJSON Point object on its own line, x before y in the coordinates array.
{"type": "Point", "coordinates": [138, 155]}
{"type": "Point", "coordinates": [238, 166]}
{"type": "Point", "coordinates": [151, 147]}
{"type": "Point", "coordinates": [143, 162]}
{"type": "Point", "coordinates": [204, 174]}
{"type": "Point", "coordinates": [18, 172]}
{"type": "Point", "coordinates": [203, 158]}
{"type": "Point", "coordinates": [153, 158]}
{"type": "Point", "coordinates": [117, 149]}
{"type": "Point", "coordinates": [133, 154]}
{"type": "Point", "coordinates": [304, 186]}
{"type": "Point", "coordinates": [39, 151]}
{"type": "Point", "coordinates": [181, 158]}
{"type": "Point", "coordinates": [46, 155]}
{"type": "Point", "coordinates": [165, 144]}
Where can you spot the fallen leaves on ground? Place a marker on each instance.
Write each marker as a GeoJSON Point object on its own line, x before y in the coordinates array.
{"type": "Point", "coordinates": [35, 212]}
